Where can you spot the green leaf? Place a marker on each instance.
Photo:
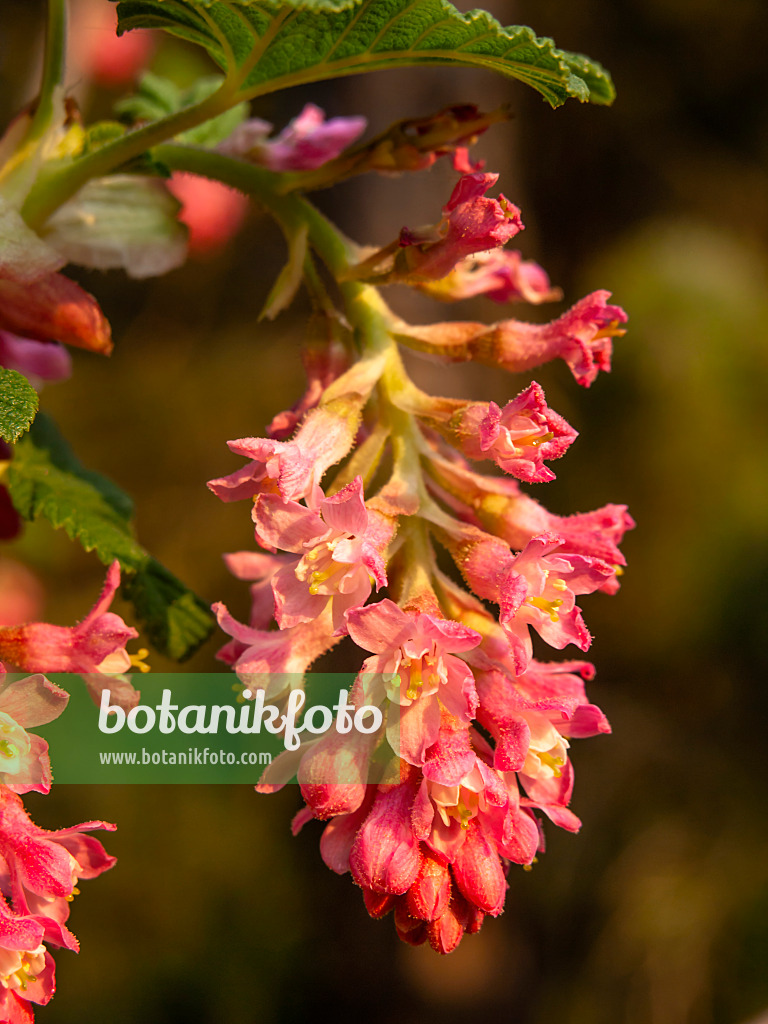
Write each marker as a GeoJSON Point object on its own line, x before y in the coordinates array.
{"type": "Point", "coordinates": [46, 480]}
{"type": "Point", "coordinates": [264, 45]}
{"type": "Point", "coordinates": [18, 404]}
{"type": "Point", "coordinates": [158, 97]}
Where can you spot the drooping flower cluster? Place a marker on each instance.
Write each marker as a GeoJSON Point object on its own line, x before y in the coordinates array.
{"type": "Point", "coordinates": [429, 812]}
{"type": "Point", "coordinates": [39, 870]}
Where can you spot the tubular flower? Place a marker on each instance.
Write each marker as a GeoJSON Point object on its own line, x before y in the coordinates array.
{"type": "Point", "coordinates": [294, 468]}
{"type": "Point", "coordinates": [416, 668]}
{"type": "Point", "coordinates": [37, 302]}
{"type": "Point", "coordinates": [471, 223]}
{"type": "Point", "coordinates": [94, 646]}
{"type": "Point", "coordinates": [40, 870]}
{"type": "Point", "coordinates": [500, 274]}
{"type": "Point", "coordinates": [339, 546]}
{"type": "Point", "coordinates": [581, 337]}
{"type": "Point", "coordinates": [518, 437]}
{"type": "Point", "coordinates": [540, 588]}
{"type": "Point", "coordinates": [26, 967]}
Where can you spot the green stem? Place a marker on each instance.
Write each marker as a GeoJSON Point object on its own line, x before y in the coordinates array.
{"type": "Point", "coordinates": [263, 186]}
{"type": "Point", "coordinates": [60, 183]}
{"type": "Point", "coordinates": [53, 67]}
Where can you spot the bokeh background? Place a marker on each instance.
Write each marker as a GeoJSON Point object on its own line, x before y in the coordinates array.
{"type": "Point", "coordinates": [657, 913]}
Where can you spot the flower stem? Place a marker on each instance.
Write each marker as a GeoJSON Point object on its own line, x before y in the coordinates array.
{"type": "Point", "coordinates": [60, 182]}
{"type": "Point", "coordinates": [53, 67]}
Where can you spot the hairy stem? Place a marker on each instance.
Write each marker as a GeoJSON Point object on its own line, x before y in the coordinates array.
{"type": "Point", "coordinates": [53, 67]}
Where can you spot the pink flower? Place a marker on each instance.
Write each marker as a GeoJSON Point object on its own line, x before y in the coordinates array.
{"type": "Point", "coordinates": [99, 53]}
{"type": "Point", "coordinates": [540, 588]}
{"type": "Point", "coordinates": [261, 567]}
{"type": "Point", "coordinates": [581, 337]}
{"type": "Point", "coordinates": [97, 644]}
{"type": "Point", "coordinates": [308, 142]}
{"type": "Point", "coordinates": [385, 854]}
{"type": "Point", "coordinates": [293, 468]}
{"type": "Point", "coordinates": [340, 547]}
{"type": "Point", "coordinates": [38, 360]}
{"type": "Point", "coordinates": [275, 654]}
{"type": "Point", "coordinates": [26, 967]}
{"type": "Point", "coordinates": [40, 870]}
{"type": "Point", "coordinates": [500, 274]}
{"type": "Point", "coordinates": [415, 666]}
{"type": "Point", "coordinates": [518, 437]}
{"type": "Point", "coordinates": [211, 211]}
{"type": "Point", "coordinates": [498, 505]}
{"type": "Point", "coordinates": [459, 786]}
{"type": "Point", "coordinates": [471, 223]}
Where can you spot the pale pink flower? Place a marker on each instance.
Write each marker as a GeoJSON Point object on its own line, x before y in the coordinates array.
{"type": "Point", "coordinates": [260, 567]}
{"type": "Point", "coordinates": [540, 588]}
{"type": "Point", "coordinates": [308, 142]}
{"type": "Point", "coordinates": [27, 703]}
{"type": "Point", "coordinates": [416, 669]}
{"type": "Point", "coordinates": [278, 654]}
{"type": "Point", "coordinates": [97, 644]}
{"type": "Point", "coordinates": [339, 544]}
{"type": "Point", "coordinates": [518, 437]}
{"type": "Point", "coordinates": [293, 468]}
{"type": "Point", "coordinates": [471, 223]}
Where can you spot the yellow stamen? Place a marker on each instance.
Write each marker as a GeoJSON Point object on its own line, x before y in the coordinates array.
{"type": "Point", "coordinates": [137, 660]}
{"type": "Point", "coordinates": [550, 607]}
{"type": "Point", "coordinates": [559, 584]}
{"type": "Point", "coordinates": [414, 683]}
{"type": "Point", "coordinates": [612, 330]}
{"type": "Point", "coordinates": [555, 763]}
{"type": "Point", "coordinates": [533, 440]}
{"type": "Point", "coordinates": [318, 578]}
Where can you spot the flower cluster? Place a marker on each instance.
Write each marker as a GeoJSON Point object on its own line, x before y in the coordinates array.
{"type": "Point", "coordinates": [429, 812]}
{"type": "Point", "coordinates": [39, 870]}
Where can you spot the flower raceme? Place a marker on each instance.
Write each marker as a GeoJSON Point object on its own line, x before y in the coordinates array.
{"type": "Point", "coordinates": [429, 810]}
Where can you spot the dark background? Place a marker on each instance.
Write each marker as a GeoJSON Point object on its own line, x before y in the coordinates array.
{"type": "Point", "coordinates": [657, 913]}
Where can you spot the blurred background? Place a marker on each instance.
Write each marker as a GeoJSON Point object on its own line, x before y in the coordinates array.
{"type": "Point", "coordinates": [657, 913]}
